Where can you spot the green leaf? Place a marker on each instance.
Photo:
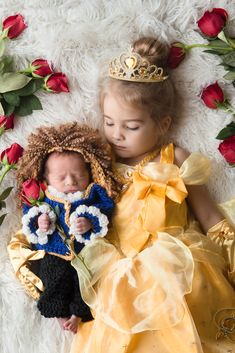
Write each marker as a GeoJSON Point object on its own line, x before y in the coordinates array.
{"type": "Point", "coordinates": [57, 211]}
{"type": "Point", "coordinates": [27, 105]}
{"type": "Point", "coordinates": [227, 67]}
{"type": "Point", "coordinates": [11, 81]}
{"type": "Point", "coordinates": [226, 132]}
{"type": "Point", "coordinates": [35, 103]}
{"type": "Point", "coordinates": [12, 98]}
{"type": "Point", "coordinates": [24, 109]}
{"type": "Point", "coordinates": [230, 76]}
{"type": "Point", "coordinates": [229, 59]}
{"type": "Point", "coordinates": [2, 205]}
{"type": "Point", "coordinates": [5, 193]}
{"type": "Point", "coordinates": [30, 88]}
{"type": "Point", "coordinates": [1, 109]}
{"type": "Point", "coordinates": [8, 109]}
{"type": "Point", "coordinates": [6, 64]}
{"type": "Point", "coordinates": [219, 43]}
{"type": "Point", "coordinates": [2, 47]}
{"type": "Point", "coordinates": [215, 52]}
{"type": "Point", "coordinates": [2, 217]}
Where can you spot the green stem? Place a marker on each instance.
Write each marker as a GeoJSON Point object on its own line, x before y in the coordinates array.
{"type": "Point", "coordinates": [227, 108]}
{"type": "Point", "coordinates": [188, 47]}
{"type": "Point", "coordinates": [5, 170]}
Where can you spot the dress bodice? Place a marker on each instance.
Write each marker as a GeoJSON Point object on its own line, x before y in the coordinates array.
{"type": "Point", "coordinates": [154, 199]}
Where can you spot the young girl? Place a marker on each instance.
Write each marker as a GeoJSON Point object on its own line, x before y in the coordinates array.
{"type": "Point", "coordinates": [163, 283]}
{"type": "Point", "coordinates": [75, 165]}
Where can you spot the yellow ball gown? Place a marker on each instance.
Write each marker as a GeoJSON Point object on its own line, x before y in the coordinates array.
{"type": "Point", "coordinates": [159, 285]}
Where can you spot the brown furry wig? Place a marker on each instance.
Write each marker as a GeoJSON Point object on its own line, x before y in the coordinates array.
{"type": "Point", "coordinates": [68, 137]}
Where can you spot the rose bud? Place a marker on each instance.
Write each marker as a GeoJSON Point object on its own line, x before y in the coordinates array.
{"type": "Point", "coordinates": [32, 191]}
{"type": "Point", "coordinates": [227, 149]}
{"type": "Point", "coordinates": [213, 96]}
{"type": "Point", "coordinates": [56, 83]}
{"type": "Point", "coordinates": [11, 155]}
{"type": "Point", "coordinates": [15, 25]}
{"type": "Point", "coordinates": [6, 122]}
{"type": "Point", "coordinates": [212, 22]}
{"type": "Point", "coordinates": [176, 55]}
{"type": "Point", "coordinates": [40, 68]}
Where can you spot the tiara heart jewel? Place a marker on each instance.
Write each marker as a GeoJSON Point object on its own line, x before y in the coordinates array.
{"type": "Point", "coordinates": [132, 67]}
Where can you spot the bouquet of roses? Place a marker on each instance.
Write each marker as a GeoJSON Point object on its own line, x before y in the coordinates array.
{"type": "Point", "coordinates": [213, 27]}
{"type": "Point", "coordinates": [17, 89]}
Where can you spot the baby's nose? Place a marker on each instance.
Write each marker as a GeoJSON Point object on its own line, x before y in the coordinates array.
{"type": "Point", "coordinates": [69, 180]}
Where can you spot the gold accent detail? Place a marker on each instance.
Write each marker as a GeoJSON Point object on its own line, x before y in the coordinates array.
{"type": "Point", "coordinates": [225, 322]}
{"type": "Point", "coordinates": [125, 181]}
{"type": "Point", "coordinates": [132, 67]}
{"type": "Point", "coordinates": [222, 229]}
{"type": "Point", "coordinates": [68, 257]}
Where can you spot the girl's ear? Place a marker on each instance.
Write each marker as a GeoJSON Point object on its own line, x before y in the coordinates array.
{"type": "Point", "coordinates": [165, 124]}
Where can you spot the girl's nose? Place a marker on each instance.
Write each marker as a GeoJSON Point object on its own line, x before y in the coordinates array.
{"type": "Point", "coordinates": [117, 134]}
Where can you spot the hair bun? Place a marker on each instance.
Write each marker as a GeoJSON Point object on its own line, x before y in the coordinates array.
{"type": "Point", "coordinates": [151, 49]}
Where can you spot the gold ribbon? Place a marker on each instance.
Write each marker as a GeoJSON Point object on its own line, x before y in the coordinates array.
{"type": "Point", "coordinates": [154, 193]}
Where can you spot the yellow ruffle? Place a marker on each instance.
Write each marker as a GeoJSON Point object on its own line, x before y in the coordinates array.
{"type": "Point", "coordinates": [21, 254]}
{"type": "Point", "coordinates": [132, 294]}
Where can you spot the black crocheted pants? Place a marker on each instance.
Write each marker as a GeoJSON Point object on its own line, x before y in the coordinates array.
{"type": "Point", "coordinates": [61, 297]}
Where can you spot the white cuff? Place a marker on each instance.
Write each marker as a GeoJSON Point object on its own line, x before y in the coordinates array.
{"type": "Point", "coordinates": [38, 236]}
{"type": "Point", "coordinates": [92, 213]}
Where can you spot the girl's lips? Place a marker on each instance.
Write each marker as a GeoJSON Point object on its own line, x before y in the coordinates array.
{"type": "Point", "coordinates": [119, 147]}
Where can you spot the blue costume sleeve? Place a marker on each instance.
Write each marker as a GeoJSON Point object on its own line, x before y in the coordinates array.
{"type": "Point", "coordinates": [97, 210]}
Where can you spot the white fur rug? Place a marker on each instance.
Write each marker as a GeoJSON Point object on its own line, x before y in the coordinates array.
{"type": "Point", "coordinates": [79, 37]}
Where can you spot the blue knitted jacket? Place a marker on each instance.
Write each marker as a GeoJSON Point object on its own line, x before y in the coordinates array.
{"type": "Point", "coordinates": [97, 197]}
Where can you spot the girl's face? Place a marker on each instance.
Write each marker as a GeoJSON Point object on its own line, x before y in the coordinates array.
{"type": "Point", "coordinates": [131, 131]}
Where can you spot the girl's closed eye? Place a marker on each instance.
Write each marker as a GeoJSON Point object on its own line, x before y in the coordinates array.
{"type": "Point", "coordinates": [133, 128]}
{"type": "Point", "coordinates": [108, 123]}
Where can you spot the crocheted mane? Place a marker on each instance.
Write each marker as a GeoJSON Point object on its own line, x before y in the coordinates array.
{"type": "Point", "coordinates": [68, 137]}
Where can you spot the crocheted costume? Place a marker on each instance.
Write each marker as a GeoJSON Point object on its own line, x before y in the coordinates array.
{"type": "Point", "coordinates": [62, 298]}
{"type": "Point", "coordinates": [49, 249]}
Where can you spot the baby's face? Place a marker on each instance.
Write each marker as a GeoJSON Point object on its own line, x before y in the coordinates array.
{"type": "Point", "coordinates": [67, 172]}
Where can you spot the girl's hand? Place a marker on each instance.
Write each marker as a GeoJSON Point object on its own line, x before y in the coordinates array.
{"type": "Point", "coordinates": [44, 222]}
{"type": "Point", "coordinates": [83, 225]}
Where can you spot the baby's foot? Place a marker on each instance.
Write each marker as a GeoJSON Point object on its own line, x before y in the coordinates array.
{"type": "Point", "coordinates": [72, 323]}
{"type": "Point", "coordinates": [62, 321]}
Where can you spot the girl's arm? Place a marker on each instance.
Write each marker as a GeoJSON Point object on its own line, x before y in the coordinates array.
{"type": "Point", "coordinates": [199, 199]}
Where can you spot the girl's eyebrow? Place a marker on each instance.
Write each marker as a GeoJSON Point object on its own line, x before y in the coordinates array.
{"type": "Point", "coordinates": [126, 120]}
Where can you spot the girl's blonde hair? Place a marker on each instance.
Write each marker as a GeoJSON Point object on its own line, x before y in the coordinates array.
{"type": "Point", "coordinates": [158, 98]}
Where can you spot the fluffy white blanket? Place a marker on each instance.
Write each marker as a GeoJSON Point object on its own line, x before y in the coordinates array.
{"type": "Point", "coordinates": [79, 37]}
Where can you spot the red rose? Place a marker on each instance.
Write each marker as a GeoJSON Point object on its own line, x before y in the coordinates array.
{"type": "Point", "coordinates": [227, 149]}
{"type": "Point", "coordinates": [40, 68]}
{"type": "Point", "coordinates": [176, 55]}
{"type": "Point", "coordinates": [32, 191]}
{"type": "Point", "coordinates": [7, 122]}
{"type": "Point", "coordinates": [12, 154]}
{"type": "Point", "coordinates": [15, 25]}
{"type": "Point", "coordinates": [56, 83]}
{"type": "Point", "coordinates": [212, 96]}
{"type": "Point", "coordinates": [212, 22]}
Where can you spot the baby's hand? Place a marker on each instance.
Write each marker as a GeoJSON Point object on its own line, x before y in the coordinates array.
{"type": "Point", "coordinates": [44, 222]}
{"type": "Point", "coordinates": [82, 225]}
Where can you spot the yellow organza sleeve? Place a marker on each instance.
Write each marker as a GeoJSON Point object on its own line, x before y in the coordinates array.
{"type": "Point", "coordinates": [21, 254]}
{"type": "Point", "coordinates": [195, 170]}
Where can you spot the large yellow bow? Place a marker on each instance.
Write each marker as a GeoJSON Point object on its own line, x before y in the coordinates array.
{"type": "Point", "coordinates": [154, 193]}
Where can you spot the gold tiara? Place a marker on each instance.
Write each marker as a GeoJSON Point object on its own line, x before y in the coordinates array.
{"type": "Point", "coordinates": [132, 67]}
